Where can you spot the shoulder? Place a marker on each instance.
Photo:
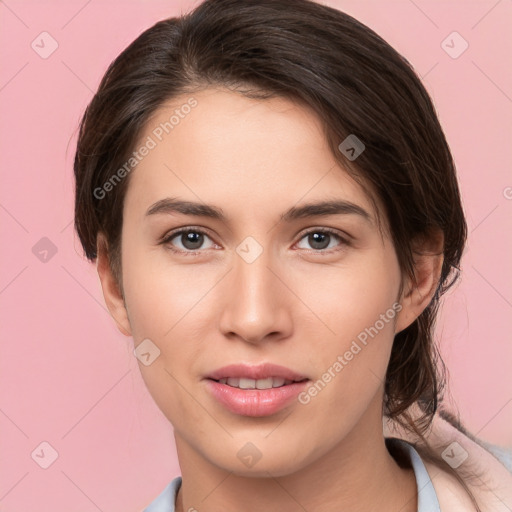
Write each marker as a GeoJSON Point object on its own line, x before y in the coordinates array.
{"type": "Point", "coordinates": [450, 493]}
{"type": "Point", "coordinates": [488, 479]}
{"type": "Point", "coordinates": [453, 497]}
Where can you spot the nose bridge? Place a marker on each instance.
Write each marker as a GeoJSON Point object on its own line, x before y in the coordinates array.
{"type": "Point", "coordinates": [253, 283]}
{"type": "Point", "coordinates": [254, 303]}
{"type": "Point", "coordinates": [252, 277]}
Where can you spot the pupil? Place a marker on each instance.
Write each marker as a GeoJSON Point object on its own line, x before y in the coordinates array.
{"type": "Point", "coordinates": [319, 238]}
{"type": "Point", "coordinates": [192, 238]}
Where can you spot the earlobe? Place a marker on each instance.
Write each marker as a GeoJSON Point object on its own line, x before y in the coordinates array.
{"type": "Point", "coordinates": [111, 293]}
{"type": "Point", "coordinates": [419, 290]}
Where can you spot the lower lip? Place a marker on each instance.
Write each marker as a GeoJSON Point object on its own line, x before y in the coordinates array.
{"type": "Point", "coordinates": [255, 402]}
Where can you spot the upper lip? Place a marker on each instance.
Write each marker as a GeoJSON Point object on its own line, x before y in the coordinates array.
{"type": "Point", "coordinates": [260, 371]}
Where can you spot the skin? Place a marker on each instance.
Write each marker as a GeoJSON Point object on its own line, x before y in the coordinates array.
{"type": "Point", "coordinates": [293, 305]}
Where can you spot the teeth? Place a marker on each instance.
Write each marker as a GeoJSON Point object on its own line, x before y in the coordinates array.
{"type": "Point", "coordinates": [247, 384]}
{"type": "Point", "coordinates": [278, 382]}
{"type": "Point", "coordinates": [232, 381]}
{"type": "Point", "coordinates": [265, 383]}
{"type": "Point", "coordinates": [243, 383]}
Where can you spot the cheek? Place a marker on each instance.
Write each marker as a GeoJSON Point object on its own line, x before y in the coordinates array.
{"type": "Point", "coordinates": [169, 305]}
{"type": "Point", "coordinates": [160, 295]}
{"type": "Point", "coordinates": [345, 299]}
{"type": "Point", "coordinates": [356, 311]}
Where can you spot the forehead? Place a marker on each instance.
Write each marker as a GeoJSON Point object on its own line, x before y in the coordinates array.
{"type": "Point", "coordinates": [220, 147]}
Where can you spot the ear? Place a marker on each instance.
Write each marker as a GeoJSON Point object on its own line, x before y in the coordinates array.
{"type": "Point", "coordinates": [113, 297]}
{"type": "Point", "coordinates": [418, 291]}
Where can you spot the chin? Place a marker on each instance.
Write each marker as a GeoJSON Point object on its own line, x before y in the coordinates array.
{"type": "Point", "coordinates": [253, 463]}
{"type": "Point", "coordinates": [260, 470]}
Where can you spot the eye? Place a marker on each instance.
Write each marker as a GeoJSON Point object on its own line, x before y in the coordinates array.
{"type": "Point", "coordinates": [320, 239]}
{"type": "Point", "coordinates": [191, 239]}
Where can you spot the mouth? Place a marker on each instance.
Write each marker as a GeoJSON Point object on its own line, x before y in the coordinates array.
{"type": "Point", "coordinates": [261, 390]}
{"type": "Point", "coordinates": [268, 383]}
{"type": "Point", "coordinates": [253, 401]}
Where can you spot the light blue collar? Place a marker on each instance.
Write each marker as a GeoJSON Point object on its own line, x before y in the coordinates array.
{"type": "Point", "coordinates": [427, 497]}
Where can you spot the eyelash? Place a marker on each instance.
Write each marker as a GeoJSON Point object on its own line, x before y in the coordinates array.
{"type": "Point", "coordinates": [192, 229]}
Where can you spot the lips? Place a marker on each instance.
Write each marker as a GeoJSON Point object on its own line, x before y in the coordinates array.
{"type": "Point", "coordinates": [256, 372]}
{"type": "Point", "coordinates": [260, 390]}
{"type": "Point", "coordinates": [254, 402]}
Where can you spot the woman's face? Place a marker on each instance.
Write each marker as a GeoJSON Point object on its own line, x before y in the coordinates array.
{"type": "Point", "coordinates": [313, 292]}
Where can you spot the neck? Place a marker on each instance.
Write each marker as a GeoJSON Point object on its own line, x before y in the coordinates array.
{"type": "Point", "coordinates": [356, 475]}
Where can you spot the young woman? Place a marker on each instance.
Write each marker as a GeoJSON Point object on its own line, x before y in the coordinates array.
{"type": "Point", "coordinates": [275, 214]}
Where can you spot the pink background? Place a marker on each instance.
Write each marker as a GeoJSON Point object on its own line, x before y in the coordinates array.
{"type": "Point", "coordinates": [70, 379]}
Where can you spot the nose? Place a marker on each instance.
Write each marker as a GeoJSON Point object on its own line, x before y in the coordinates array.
{"type": "Point", "coordinates": [256, 302]}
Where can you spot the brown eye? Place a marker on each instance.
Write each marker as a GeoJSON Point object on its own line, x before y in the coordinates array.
{"type": "Point", "coordinates": [321, 239]}
{"type": "Point", "coordinates": [187, 240]}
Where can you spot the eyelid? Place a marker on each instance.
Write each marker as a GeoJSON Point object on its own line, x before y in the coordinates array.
{"type": "Point", "coordinates": [325, 229]}
{"type": "Point", "coordinates": [177, 231]}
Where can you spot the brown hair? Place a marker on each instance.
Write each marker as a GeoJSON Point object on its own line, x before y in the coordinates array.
{"type": "Point", "coordinates": [355, 82]}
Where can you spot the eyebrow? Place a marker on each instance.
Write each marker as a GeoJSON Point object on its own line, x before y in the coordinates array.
{"type": "Point", "coordinates": [321, 208]}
